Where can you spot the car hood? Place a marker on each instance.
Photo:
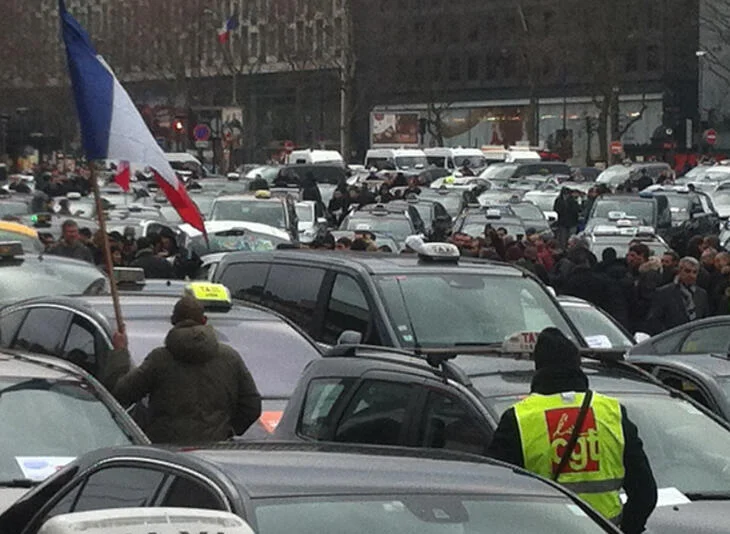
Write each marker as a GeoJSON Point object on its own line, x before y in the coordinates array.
{"type": "Point", "coordinates": [8, 496]}
{"type": "Point", "coordinates": [698, 517]}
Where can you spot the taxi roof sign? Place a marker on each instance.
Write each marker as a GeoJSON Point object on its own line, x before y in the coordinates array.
{"type": "Point", "coordinates": [262, 193]}
{"type": "Point", "coordinates": [10, 249]}
{"type": "Point", "coordinates": [129, 276]}
{"type": "Point", "coordinates": [522, 343]}
{"type": "Point", "coordinates": [211, 296]}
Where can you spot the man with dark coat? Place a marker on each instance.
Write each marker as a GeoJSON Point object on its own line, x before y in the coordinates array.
{"type": "Point", "coordinates": [644, 278]}
{"type": "Point", "coordinates": [558, 379]}
{"type": "Point", "coordinates": [70, 245]}
{"type": "Point", "coordinates": [310, 189]}
{"type": "Point", "coordinates": [679, 302]}
{"type": "Point", "coordinates": [153, 265]}
{"type": "Point", "coordinates": [568, 210]}
{"type": "Point", "coordinates": [200, 390]}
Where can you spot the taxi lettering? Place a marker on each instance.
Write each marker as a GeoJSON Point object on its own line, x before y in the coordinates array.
{"type": "Point", "coordinates": [586, 455]}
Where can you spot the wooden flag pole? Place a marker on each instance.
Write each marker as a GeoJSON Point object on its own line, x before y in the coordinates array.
{"type": "Point", "coordinates": [106, 248]}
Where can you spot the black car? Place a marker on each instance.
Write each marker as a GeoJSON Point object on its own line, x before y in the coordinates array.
{"type": "Point", "coordinates": [29, 275]}
{"type": "Point", "coordinates": [704, 377]}
{"type": "Point", "coordinates": [371, 395]}
{"type": "Point", "coordinates": [451, 199]}
{"type": "Point", "coordinates": [647, 209]}
{"type": "Point", "coordinates": [474, 219]}
{"type": "Point", "coordinates": [403, 300]}
{"type": "Point", "coordinates": [311, 489]}
{"type": "Point", "coordinates": [80, 329]}
{"type": "Point", "coordinates": [398, 219]}
{"type": "Point", "coordinates": [686, 205]}
{"type": "Point", "coordinates": [52, 412]}
{"type": "Point", "coordinates": [705, 336]}
{"type": "Point", "coordinates": [429, 210]}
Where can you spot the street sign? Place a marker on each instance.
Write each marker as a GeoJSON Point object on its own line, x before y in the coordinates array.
{"type": "Point", "coordinates": [289, 146]}
{"type": "Point", "coordinates": [710, 136]}
{"type": "Point", "coordinates": [201, 132]}
{"type": "Point", "coordinates": [617, 147]}
{"type": "Point", "coordinates": [204, 145]}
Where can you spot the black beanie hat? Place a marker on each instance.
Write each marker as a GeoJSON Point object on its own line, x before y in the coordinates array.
{"type": "Point", "coordinates": [188, 308]}
{"type": "Point", "coordinates": [553, 349]}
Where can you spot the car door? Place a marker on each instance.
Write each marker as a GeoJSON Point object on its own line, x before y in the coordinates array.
{"type": "Point", "coordinates": [85, 344]}
{"type": "Point", "coordinates": [346, 308]}
{"type": "Point", "coordinates": [44, 330]}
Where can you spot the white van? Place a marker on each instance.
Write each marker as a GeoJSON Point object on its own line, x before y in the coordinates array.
{"type": "Point", "coordinates": [454, 158]}
{"type": "Point", "coordinates": [316, 157]}
{"type": "Point", "coordinates": [396, 159]}
{"type": "Point", "coordinates": [147, 521]}
{"type": "Point", "coordinates": [513, 154]}
{"type": "Point", "coordinates": [185, 162]}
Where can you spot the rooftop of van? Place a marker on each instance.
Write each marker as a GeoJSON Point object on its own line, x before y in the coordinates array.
{"type": "Point", "coordinates": [374, 152]}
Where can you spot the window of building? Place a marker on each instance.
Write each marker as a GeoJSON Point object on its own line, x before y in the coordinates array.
{"type": "Point", "coordinates": [652, 58]}
{"type": "Point", "coordinates": [454, 69]}
{"type": "Point", "coordinates": [490, 67]}
{"type": "Point", "coordinates": [632, 60]}
{"type": "Point", "coordinates": [472, 68]}
{"type": "Point", "coordinates": [436, 69]}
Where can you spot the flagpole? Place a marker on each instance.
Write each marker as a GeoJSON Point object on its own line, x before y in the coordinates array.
{"type": "Point", "coordinates": [106, 248]}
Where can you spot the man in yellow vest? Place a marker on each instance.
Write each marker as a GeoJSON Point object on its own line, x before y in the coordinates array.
{"type": "Point", "coordinates": [581, 439]}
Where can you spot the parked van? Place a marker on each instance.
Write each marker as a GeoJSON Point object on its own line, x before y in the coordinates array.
{"type": "Point", "coordinates": [183, 162]}
{"type": "Point", "coordinates": [455, 158]}
{"type": "Point", "coordinates": [396, 159]}
{"type": "Point", "coordinates": [513, 154]}
{"type": "Point", "coordinates": [316, 157]}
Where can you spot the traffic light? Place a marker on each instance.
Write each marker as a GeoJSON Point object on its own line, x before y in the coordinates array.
{"type": "Point", "coordinates": [178, 126]}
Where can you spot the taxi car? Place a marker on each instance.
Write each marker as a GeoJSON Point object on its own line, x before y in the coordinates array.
{"type": "Point", "coordinates": [473, 220]}
{"type": "Point", "coordinates": [397, 219]}
{"type": "Point", "coordinates": [451, 199]}
{"type": "Point", "coordinates": [648, 209]}
{"type": "Point", "coordinates": [26, 275]}
{"type": "Point", "coordinates": [27, 236]}
{"type": "Point", "coordinates": [621, 233]}
{"type": "Point", "coordinates": [310, 489]}
{"type": "Point", "coordinates": [261, 207]}
{"type": "Point", "coordinates": [430, 299]}
{"type": "Point", "coordinates": [423, 399]}
{"type": "Point", "coordinates": [79, 329]}
{"type": "Point", "coordinates": [52, 412]}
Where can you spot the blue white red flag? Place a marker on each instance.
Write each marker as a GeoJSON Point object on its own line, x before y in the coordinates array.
{"type": "Point", "coordinates": [111, 125]}
{"type": "Point", "coordinates": [224, 33]}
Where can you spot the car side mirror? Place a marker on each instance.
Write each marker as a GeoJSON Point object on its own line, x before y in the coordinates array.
{"type": "Point", "coordinates": [640, 337]}
{"type": "Point", "coordinates": [349, 337]}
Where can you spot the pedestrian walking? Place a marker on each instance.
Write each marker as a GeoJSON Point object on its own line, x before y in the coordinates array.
{"type": "Point", "coordinates": [568, 210]}
{"type": "Point", "coordinates": [70, 244]}
{"type": "Point", "coordinates": [580, 439]}
{"type": "Point", "coordinates": [200, 390]}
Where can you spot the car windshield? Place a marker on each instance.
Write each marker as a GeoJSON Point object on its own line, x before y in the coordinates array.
{"type": "Point", "coordinates": [475, 162]}
{"type": "Point", "coordinates": [616, 174]}
{"type": "Point", "coordinates": [47, 423]}
{"type": "Point", "coordinates": [527, 211]}
{"type": "Point", "coordinates": [475, 228]}
{"type": "Point", "coordinates": [204, 203]}
{"type": "Point", "coordinates": [425, 210]}
{"type": "Point", "coordinates": [472, 308]}
{"type": "Point", "coordinates": [305, 212]}
{"type": "Point", "coordinates": [451, 203]}
{"type": "Point", "coordinates": [421, 514]}
{"type": "Point", "coordinates": [670, 429]}
{"type": "Point", "coordinates": [274, 352]}
{"type": "Point", "coordinates": [30, 244]}
{"type": "Point", "coordinates": [18, 281]}
{"type": "Point", "coordinates": [13, 209]}
{"type": "Point", "coordinates": [396, 227]}
{"type": "Point", "coordinates": [411, 162]}
{"type": "Point", "coordinates": [499, 172]}
{"type": "Point", "coordinates": [643, 210]}
{"type": "Point", "coordinates": [250, 210]}
{"type": "Point", "coordinates": [234, 240]}
{"type": "Point", "coordinates": [545, 202]}
{"type": "Point", "coordinates": [538, 168]}
{"type": "Point", "coordinates": [598, 330]}
{"type": "Point", "coordinates": [267, 173]}
{"type": "Point", "coordinates": [721, 198]}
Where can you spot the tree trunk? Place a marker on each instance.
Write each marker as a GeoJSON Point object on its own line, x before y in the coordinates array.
{"type": "Point", "coordinates": [345, 115]}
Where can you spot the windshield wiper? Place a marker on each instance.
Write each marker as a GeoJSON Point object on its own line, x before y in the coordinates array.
{"type": "Point", "coordinates": [709, 496]}
{"type": "Point", "coordinates": [19, 483]}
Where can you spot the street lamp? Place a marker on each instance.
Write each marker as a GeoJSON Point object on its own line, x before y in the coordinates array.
{"type": "Point", "coordinates": [700, 87]}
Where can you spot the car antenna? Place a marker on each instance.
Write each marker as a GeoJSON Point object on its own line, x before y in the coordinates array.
{"type": "Point", "coordinates": [416, 345]}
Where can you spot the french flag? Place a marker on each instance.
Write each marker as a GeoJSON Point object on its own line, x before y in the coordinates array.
{"type": "Point", "coordinates": [224, 33]}
{"type": "Point", "coordinates": [123, 176]}
{"type": "Point", "coordinates": [111, 126]}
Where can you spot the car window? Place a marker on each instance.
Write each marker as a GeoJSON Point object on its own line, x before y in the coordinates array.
{"type": "Point", "coordinates": [119, 487]}
{"type": "Point", "coordinates": [347, 309]}
{"type": "Point", "coordinates": [448, 424]}
{"type": "Point", "coordinates": [43, 330]}
{"type": "Point", "coordinates": [246, 280]}
{"type": "Point", "coordinates": [187, 493]}
{"type": "Point", "coordinates": [9, 324]}
{"type": "Point", "coordinates": [65, 505]}
{"type": "Point", "coordinates": [292, 291]}
{"type": "Point", "coordinates": [668, 344]}
{"type": "Point", "coordinates": [711, 339]}
{"type": "Point", "coordinates": [322, 396]}
{"type": "Point", "coordinates": [376, 414]}
{"type": "Point", "coordinates": [685, 384]}
{"type": "Point", "coordinates": [81, 346]}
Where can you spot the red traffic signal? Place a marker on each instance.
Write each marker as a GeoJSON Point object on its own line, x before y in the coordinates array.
{"type": "Point", "coordinates": [178, 126]}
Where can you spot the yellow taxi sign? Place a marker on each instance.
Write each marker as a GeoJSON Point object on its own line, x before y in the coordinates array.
{"type": "Point", "coordinates": [262, 193]}
{"type": "Point", "coordinates": [210, 295]}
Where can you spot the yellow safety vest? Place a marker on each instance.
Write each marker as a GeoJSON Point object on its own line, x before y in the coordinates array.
{"type": "Point", "coordinates": [595, 470]}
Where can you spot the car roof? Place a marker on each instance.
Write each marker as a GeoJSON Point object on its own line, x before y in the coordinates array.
{"type": "Point", "coordinates": [251, 196]}
{"type": "Point", "coordinates": [14, 363]}
{"type": "Point", "coordinates": [268, 470]}
{"type": "Point", "coordinates": [714, 365]}
{"type": "Point", "coordinates": [685, 329]}
{"type": "Point", "coordinates": [372, 263]}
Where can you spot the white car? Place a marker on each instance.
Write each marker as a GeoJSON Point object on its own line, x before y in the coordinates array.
{"type": "Point", "coordinates": [311, 220]}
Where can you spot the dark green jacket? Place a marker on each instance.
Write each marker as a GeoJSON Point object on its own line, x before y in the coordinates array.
{"type": "Point", "coordinates": [199, 390]}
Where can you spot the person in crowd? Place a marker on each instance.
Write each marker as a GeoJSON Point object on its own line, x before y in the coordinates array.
{"type": "Point", "coordinates": [154, 266]}
{"type": "Point", "coordinates": [670, 264]}
{"type": "Point", "coordinates": [644, 280]}
{"type": "Point", "coordinates": [63, 207]}
{"type": "Point", "coordinates": [679, 302]}
{"type": "Point", "coordinates": [720, 294]}
{"type": "Point", "coordinates": [359, 244]}
{"type": "Point", "coordinates": [343, 243]}
{"type": "Point", "coordinates": [200, 390]}
{"type": "Point", "coordinates": [258, 184]}
{"type": "Point", "coordinates": [413, 187]}
{"type": "Point", "coordinates": [531, 262]}
{"type": "Point", "coordinates": [533, 434]}
{"type": "Point", "coordinates": [70, 244]}
{"type": "Point", "coordinates": [310, 189]}
{"type": "Point", "coordinates": [466, 168]}
{"type": "Point", "coordinates": [568, 210]}
{"type": "Point", "coordinates": [384, 194]}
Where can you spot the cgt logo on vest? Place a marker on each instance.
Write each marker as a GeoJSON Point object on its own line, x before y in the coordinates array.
{"type": "Point", "coordinates": [586, 455]}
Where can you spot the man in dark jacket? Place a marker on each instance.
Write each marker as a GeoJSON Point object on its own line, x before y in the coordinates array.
{"type": "Point", "coordinates": [200, 390]}
{"type": "Point", "coordinates": [644, 279]}
{"type": "Point", "coordinates": [154, 266]}
{"type": "Point", "coordinates": [568, 210]}
{"type": "Point", "coordinates": [680, 302]}
{"type": "Point", "coordinates": [559, 380]}
{"type": "Point", "coordinates": [70, 244]}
